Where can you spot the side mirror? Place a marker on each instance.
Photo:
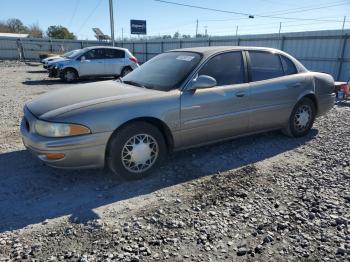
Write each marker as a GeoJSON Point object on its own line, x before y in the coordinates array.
{"type": "Point", "coordinates": [203, 81]}
{"type": "Point", "coordinates": [82, 58]}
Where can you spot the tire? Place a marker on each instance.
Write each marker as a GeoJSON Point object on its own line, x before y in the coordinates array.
{"type": "Point", "coordinates": [150, 152]}
{"type": "Point", "coordinates": [125, 71]}
{"type": "Point", "coordinates": [302, 118]}
{"type": "Point", "coordinates": [69, 75]}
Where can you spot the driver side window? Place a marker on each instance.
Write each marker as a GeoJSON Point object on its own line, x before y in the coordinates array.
{"type": "Point", "coordinates": [226, 68]}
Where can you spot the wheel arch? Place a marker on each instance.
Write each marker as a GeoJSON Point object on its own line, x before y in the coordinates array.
{"type": "Point", "coordinates": [161, 125]}
{"type": "Point", "coordinates": [310, 95]}
{"type": "Point", "coordinates": [71, 68]}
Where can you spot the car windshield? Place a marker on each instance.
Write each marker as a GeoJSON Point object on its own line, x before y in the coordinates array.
{"type": "Point", "coordinates": [164, 72]}
{"type": "Point", "coordinates": [70, 53]}
{"type": "Point", "coordinates": [75, 53]}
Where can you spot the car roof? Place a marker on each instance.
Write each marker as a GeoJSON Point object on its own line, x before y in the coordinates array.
{"type": "Point", "coordinates": [103, 46]}
{"type": "Point", "coordinates": [210, 50]}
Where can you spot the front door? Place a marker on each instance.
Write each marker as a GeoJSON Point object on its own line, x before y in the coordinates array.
{"type": "Point", "coordinates": [221, 111]}
{"type": "Point", "coordinates": [93, 64]}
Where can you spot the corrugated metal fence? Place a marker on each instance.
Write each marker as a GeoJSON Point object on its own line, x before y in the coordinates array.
{"type": "Point", "coordinates": [325, 51]}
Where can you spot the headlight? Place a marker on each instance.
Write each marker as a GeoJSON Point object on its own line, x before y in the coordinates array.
{"type": "Point", "coordinates": [59, 129]}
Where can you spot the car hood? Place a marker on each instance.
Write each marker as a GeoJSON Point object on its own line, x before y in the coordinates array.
{"type": "Point", "coordinates": [70, 98]}
{"type": "Point", "coordinates": [58, 59]}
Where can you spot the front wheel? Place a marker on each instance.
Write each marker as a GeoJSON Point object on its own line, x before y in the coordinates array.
{"type": "Point", "coordinates": [69, 75]}
{"type": "Point", "coordinates": [301, 119]}
{"type": "Point", "coordinates": [136, 150]}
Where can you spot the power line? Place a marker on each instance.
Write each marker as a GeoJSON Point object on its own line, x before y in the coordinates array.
{"type": "Point", "coordinates": [74, 12]}
{"type": "Point", "coordinates": [311, 7]}
{"type": "Point", "coordinates": [88, 17]}
{"type": "Point", "coordinates": [243, 14]}
{"type": "Point", "coordinates": [203, 8]}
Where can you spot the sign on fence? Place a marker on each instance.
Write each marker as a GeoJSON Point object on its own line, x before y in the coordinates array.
{"type": "Point", "coordinates": [138, 27]}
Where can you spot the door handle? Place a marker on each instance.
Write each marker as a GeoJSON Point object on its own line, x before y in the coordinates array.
{"type": "Point", "coordinates": [294, 85]}
{"type": "Point", "coordinates": [240, 93]}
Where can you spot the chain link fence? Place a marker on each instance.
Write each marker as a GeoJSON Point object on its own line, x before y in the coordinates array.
{"type": "Point", "coordinates": [324, 51]}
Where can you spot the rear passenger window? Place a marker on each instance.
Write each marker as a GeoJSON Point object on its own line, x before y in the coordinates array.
{"type": "Point", "coordinates": [288, 66]}
{"type": "Point", "coordinates": [227, 68]}
{"type": "Point", "coordinates": [265, 65]}
{"type": "Point", "coordinates": [114, 53]}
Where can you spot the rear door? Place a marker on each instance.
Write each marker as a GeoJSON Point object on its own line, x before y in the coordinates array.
{"type": "Point", "coordinates": [221, 111]}
{"type": "Point", "coordinates": [115, 61]}
{"type": "Point", "coordinates": [94, 63]}
{"type": "Point", "coordinates": [275, 86]}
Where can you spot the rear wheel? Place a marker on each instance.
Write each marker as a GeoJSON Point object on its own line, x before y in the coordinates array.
{"type": "Point", "coordinates": [135, 150]}
{"type": "Point", "coordinates": [69, 75]}
{"type": "Point", "coordinates": [125, 71]}
{"type": "Point", "coordinates": [301, 119]}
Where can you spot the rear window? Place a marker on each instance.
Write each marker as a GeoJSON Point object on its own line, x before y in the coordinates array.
{"type": "Point", "coordinates": [264, 65]}
{"type": "Point", "coordinates": [114, 53]}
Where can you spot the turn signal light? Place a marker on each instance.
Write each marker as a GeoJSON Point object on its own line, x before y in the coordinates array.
{"type": "Point", "coordinates": [55, 156]}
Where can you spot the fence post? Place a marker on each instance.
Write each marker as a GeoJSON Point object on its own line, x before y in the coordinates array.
{"type": "Point", "coordinates": [282, 42]}
{"type": "Point", "coordinates": [21, 49]}
{"type": "Point", "coordinates": [209, 41]}
{"type": "Point", "coordinates": [180, 43]}
{"type": "Point", "coordinates": [146, 47]}
{"type": "Point", "coordinates": [82, 44]}
{"type": "Point", "coordinates": [51, 48]}
{"type": "Point", "coordinates": [238, 41]}
{"type": "Point", "coordinates": [162, 46]}
{"type": "Point", "coordinates": [341, 57]}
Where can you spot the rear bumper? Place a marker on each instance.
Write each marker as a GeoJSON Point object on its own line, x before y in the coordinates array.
{"type": "Point", "coordinates": [85, 151]}
{"type": "Point", "coordinates": [325, 103]}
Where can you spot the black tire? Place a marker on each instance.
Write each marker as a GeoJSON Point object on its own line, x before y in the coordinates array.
{"type": "Point", "coordinates": [299, 126]}
{"type": "Point", "coordinates": [125, 71]}
{"type": "Point", "coordinates": [117, 147]}
{"type": "Point", "coordinates": [69, 75]}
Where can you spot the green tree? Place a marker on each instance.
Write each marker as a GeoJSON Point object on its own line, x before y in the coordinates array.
{"type": "Point", "coordinates": [16, 26]}
{"type": "Point", "coordinates": [176, 35]}
{"type": "Point", "coordinates": [59, 32]}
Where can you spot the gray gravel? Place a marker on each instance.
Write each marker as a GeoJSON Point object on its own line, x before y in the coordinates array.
{"type": "Point", "coordinates": [261, 198]}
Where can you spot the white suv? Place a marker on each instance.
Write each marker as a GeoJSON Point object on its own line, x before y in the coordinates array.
{"type": "Point", "coordinates": [93, 62]}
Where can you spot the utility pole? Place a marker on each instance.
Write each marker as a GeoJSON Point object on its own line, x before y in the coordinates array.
{"type": "Point", "coordinates": [236, 30]}
{"type": "Point", "coordinates": [196, 28]}
{"type": "Point", "coordinates": [111, 20]}
{"type": "Point", "coordinates": [344, 21]}
{"type": "Point", "coordinates": [279, 30]}
{"type": "Point", "coordinates": [122, 34]}
{"type": "Point", "coordinates": [206, 31]}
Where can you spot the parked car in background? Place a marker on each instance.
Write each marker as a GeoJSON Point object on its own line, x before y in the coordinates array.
{"type": "Point", "coordinates": [47, 60]}
{"type": "Point", "coordinates": [178, 99]}
{"type": "Point", "coordinates": [94, 61]}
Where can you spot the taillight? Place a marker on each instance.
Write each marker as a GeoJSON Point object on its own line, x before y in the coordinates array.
{"type": "Point", "coordinates": [134, 59]}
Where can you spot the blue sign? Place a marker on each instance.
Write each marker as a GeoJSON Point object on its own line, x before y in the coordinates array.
{"type": "Point", "coordinates": [138, 27]}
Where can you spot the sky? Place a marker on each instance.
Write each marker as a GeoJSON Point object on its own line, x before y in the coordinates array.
{"type": "Point", "coordinates": [79, 16]}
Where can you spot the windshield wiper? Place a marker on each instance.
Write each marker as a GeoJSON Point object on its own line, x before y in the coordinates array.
{"type": "Point", "coordinates": [132, 83]}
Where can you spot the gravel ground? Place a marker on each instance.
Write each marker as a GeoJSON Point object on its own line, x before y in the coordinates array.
{"type": "Point", "coordinates": [261, 198]}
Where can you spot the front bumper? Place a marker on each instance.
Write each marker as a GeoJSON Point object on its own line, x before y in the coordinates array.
{"type": "Point", "coordinates": [85, 151]}
{"type": "Point", "coordinates": [53, 72]}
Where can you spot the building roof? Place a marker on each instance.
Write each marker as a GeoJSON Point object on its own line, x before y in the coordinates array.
{"type": "Point", "coordinates": [13, 35]}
